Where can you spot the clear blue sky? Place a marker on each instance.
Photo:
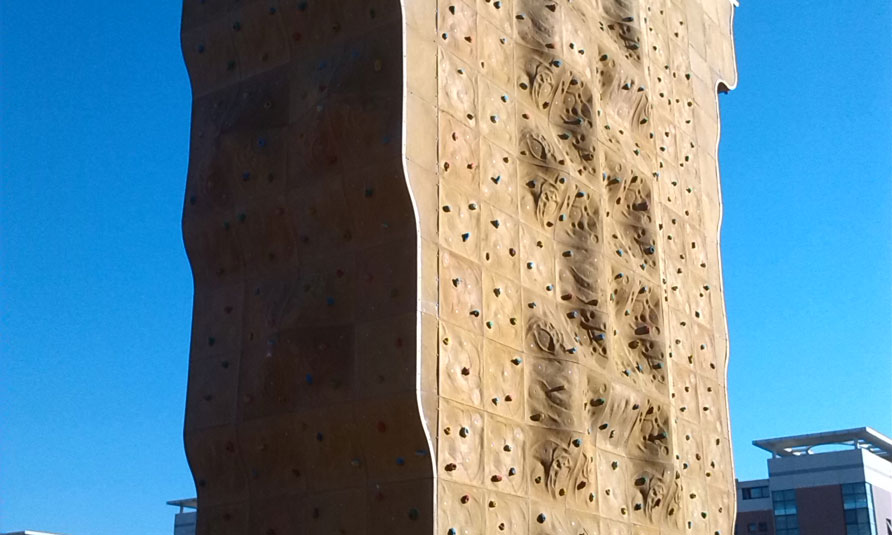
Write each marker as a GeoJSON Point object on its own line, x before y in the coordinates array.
{"type": "Point", "coordinates": [96, 290]}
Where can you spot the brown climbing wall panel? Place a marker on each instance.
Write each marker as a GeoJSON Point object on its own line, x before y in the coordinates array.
{"type": "Point", "coordinates": [457, 266]}
{"type": "Point", "coordinates": [302, 409]}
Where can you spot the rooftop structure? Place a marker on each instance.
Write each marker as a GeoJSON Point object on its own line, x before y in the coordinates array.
{"type": "Point", "coordinates": [184, 521]}
{"type": "Point", "coordinates": [858, 438]}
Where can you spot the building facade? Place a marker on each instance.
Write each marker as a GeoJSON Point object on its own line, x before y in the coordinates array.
{"type": "Point", "coordinates": [834, 483]}
{"type": "Point", "coordinates": [184, 521]}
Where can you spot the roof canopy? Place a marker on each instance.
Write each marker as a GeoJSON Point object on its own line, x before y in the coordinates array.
{"type": "Point", "coordinates": [859, 438]}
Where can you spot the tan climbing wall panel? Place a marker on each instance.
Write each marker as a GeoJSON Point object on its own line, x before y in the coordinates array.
{"type": "Point", "coordinates": [456, 267]}
{"type": "Point", "coordinates": [579, 202]}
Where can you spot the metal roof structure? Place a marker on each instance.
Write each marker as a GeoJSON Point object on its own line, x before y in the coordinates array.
{"type": "Point", "coordinates": [864, 438]}
{"type": "Point", "coordinates": [188, 503]}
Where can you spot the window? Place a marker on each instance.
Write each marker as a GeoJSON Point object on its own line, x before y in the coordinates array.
{"type": "Point", "coordinates": [857, 502]}
{"type": "Point", "coordinates": [763, 526]}
{"type": "Point", "coordinates": [786, 521]}
{"type": "Point", "coordinates": [751, 527]}
{"type": "Point", "coordinates": [784, 502]}
{"type": "Point", "coordinates": [754, 493]}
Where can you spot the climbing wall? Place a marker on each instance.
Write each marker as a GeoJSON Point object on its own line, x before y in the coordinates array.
{"type": "Point", "coordinates": [457, 266]}
{"type": "Point", "coordinates": [582, 340]}
{"type": "Point", "coordinates": [302, 409]}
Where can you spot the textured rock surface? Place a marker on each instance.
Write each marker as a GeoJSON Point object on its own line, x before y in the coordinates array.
{"type": "Point", "coordinates": [456, 266]}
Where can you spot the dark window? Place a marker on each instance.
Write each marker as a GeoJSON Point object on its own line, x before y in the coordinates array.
{"type": "Point", "coordinates": [786, 521]}
{"type": "Point", "coordinates": [857, 501]}
{"type": "Point", "coordinates": [754, 493]}
{"type": "Point", "coordinates": [751, 527]}
{"type": "Point", "coordinates": [763, 526]}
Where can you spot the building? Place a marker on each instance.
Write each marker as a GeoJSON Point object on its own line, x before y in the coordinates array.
{"type": "Point", "coordinates": [184, 521]}
{"type": "Point", "coordinates": [833, 483]}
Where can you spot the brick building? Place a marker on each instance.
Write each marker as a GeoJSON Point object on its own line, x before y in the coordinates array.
{"type": "Point", "coordinates": [833, 483]}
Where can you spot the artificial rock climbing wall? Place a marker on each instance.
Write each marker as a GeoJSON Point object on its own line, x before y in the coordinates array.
{"type": "Point", "coordinates": [457, 267]}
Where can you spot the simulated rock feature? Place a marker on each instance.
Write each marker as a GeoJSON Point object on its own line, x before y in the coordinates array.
{"type": "Point", "coordinates": [457, 267]}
